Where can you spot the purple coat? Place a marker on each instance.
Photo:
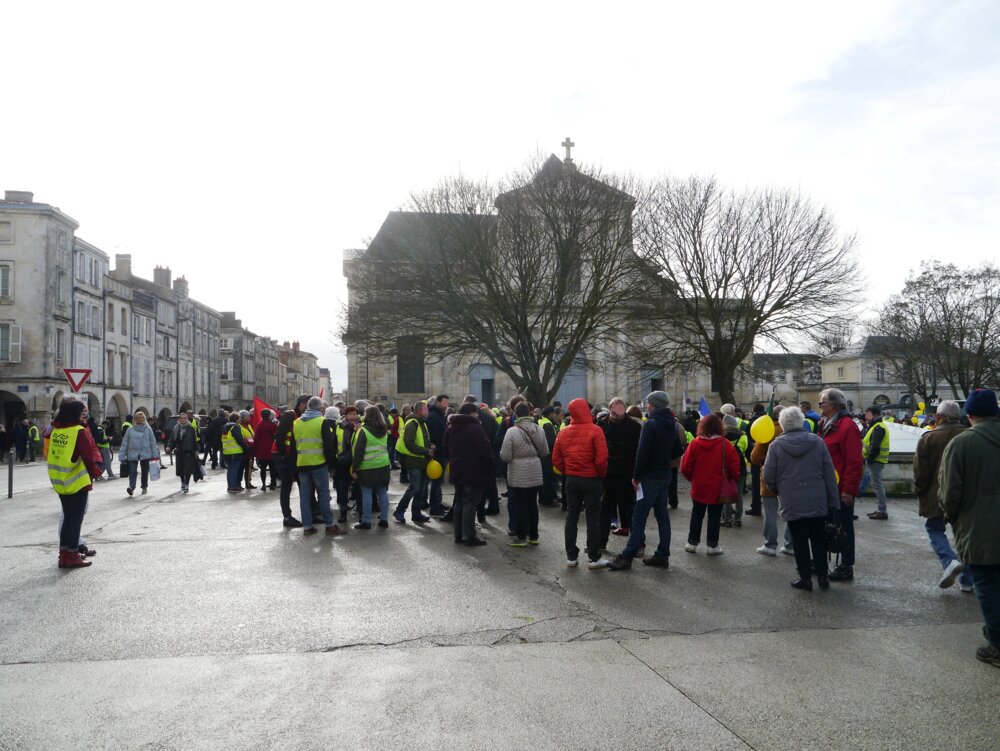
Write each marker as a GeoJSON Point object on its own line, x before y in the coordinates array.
{"type": "Point", "coordinates": [470, 456]}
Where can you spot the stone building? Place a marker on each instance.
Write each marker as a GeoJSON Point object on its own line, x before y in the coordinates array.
{"type": "Point", "coordinates": [90, 266]}
{"type": "Point", "coordinates": [863, 372]}
{"type": "Point", "coordinates": [198, 368]}
{"type": "Point", "coordinates": [303, 370]}
{"type": "Point", "coordinates": [237, 353]}
{"type": "Point", "coordinates": [266, 368]}
{"type": "Point", "coordinates": [117, 369]}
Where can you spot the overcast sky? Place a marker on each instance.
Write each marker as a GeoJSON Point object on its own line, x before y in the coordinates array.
{"type": "Point", "coordinates": [247, 144]}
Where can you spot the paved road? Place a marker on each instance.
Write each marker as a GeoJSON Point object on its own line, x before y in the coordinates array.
{"type": "Point", "coordinates": [205, 624]}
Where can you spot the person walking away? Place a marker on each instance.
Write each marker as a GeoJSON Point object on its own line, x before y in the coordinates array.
{"type": "Point", "coordinates": [926, 464]}
{"type": "Point", "coordinates": [395, 426]}
{"type": "Point", "coordinates": [72, 462]}
{"type": "Point", "coordinates": [315, 448]}
{"type": "Point", "coordinates": [184, 445]}
{"type": "Point", "coordinates": [658, 447]}
{"type": "Point", "coordinates": [102, 438]}
{"type": "Point", "coordinates": [417, 450]}
{"type": "Point", "coordinates": [580, 453]}
{"type": "Point", "coordinates": [234, 449]}
{"type": "Point", "coordinates": [709, 460]}
{"type": "Point", "coordinates": [284, 459]}
{"type": "Point", "coordinates": [769, 499]}
{"type": "Point", "coordinates": [263, 448]}
{"type": "Point", "coordinates": [799, 469]}
{"type": "Point", "coordinates": [621, 433]}
{"type": "Point", "coordinates": [470, 469]}
{"type": "Point", "coordinates": [34, 441]}
{"type": "Point", "coordinates": [875, 444]}
{"type": "Point", "coordinates": [371, 466]}
{"type": "Point", "coordinates": [843, 440]}
{"type": "Point", "coordinates": [969, 488]}
{"type": "Point", "coordinates": [522, 448]}
{"type": "Point", "coordinates": [138, 448]}
{"type": "Point", "coordinates": [732, 513]}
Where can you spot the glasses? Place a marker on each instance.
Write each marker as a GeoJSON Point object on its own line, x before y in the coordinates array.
{"type": "Point", "coordinates": [822, 403]}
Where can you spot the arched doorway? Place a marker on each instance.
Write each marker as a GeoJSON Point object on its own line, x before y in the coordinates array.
{"type": "Point", "coordinates": [56, 401]}
{"type": "Point", "coordinates": [13, 409]}
{"type": "Point", "coordinates": [162, 418]}
{"type": "Point", "coordinates": [185, 407]}
{"type": "Point", "coordinates": [93, 404]}
{"type": "Point", "coordinates": [116, 410]}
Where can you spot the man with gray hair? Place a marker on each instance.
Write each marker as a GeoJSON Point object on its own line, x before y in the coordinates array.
{"type": "Point", "coordinates": [315, 450]}
{"type": "Point", "coordinates": [658, 447]}
{"type": "Point", "coordinates": [843, 440]}
{"type": "Point", "coordinates": [926, 463]}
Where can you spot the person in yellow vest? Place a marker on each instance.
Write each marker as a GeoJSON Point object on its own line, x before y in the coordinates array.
{"type": "Point", "coordinates": [547, 496]}
{"type": "Point", "coordinates": [247, 464]}
{"type": "Point", "coordinates": [370, 466]}
{"type": "Point", "coordinates": [73, 460]}
{"type": "Point", "coordinates": [103, 439]}
{"type": "Point", "coordinates": [234, 450]}
{"type": "Point", "coordinates": [875, 444]}
{"type": "Point", "coordinates": [315, 450]}
{"type": "Point", "coordinates": [416, 450]}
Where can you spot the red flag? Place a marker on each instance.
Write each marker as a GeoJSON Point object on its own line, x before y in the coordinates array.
{"type": "Point", "coordinates": [321, 392]}
{"type": "Point", "coordinates": [258, 405]}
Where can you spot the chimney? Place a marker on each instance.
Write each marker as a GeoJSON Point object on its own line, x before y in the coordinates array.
{"type": "Point", "coordinates": [123, 266]}
{"type": "Point", "coordinates": [161, 276]}
{"type": "Point", "coordinates": [285, 344]}
{"type": "Point", "coordinates": [295, 346]}
{"type": "Point", "coordinates": [181, 287]}
{"type": "Point", "coordinates": [19, 196]}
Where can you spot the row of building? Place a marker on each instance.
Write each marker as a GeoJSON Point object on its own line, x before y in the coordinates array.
{"type": "Point", "coordinates": [148, 344]}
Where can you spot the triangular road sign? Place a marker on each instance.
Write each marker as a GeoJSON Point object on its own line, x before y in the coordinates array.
{"type": "Point", "coordinates": [77, 377]}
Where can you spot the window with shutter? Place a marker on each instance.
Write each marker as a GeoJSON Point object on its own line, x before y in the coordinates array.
{"type": "Point", "coordinates": [15, 344]}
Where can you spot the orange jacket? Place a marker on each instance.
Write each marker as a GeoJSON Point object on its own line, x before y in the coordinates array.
{"type": "Point", "coordinates": [580, 449]}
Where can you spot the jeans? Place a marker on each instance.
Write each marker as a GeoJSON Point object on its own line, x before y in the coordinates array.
{"type": "Point", "coordinates": [770, 504]}
{"type": "Point", "coordinates": [367, 492]}
{"type": "Point", "coordinates": [875, 472]}
{"type": "Point", "coordinates": [467, 500]}
{"type": "Point", "coordinates": [655, 495]}
{"type": "Point", "coordinates": [314, 477]}
{"type": "Point", "coordinates": [523, 505]}
{"type": "Point", "coordinates": [583, 493]}
{"type": "Point", "coordinates": [846, 520]}
{"type": "Point", "coordinates": [939, 542]}
{"type": "Point", "coordinates": [62, 521]}
{"type": "Point", "coordinates": [286, 474]}
{"type": "Point", "coordinates": [987, 581]}
{"type": "Point", "coordinates": [436, 495]}
{"type": "Point", "coordinates": [106, 460]}
{"type": "Point", "coordinates": [806, 533]}
{"type": "Point", "coordinates": [418, 485]}
{"type": "Point", "coordinates": [234, 467]}
{"type": "Point", "coordinates": [133, 470]}
{"type": "Point", "coordinates": [698, 511]}
{"type": "Point", "coordinates": [74, 507]}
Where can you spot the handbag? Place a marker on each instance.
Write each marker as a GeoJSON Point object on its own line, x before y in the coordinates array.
{"type": "Point", "coordinates": [728, 492]}
{"type": "Point", "coordinates": [836, 540]}
{"type": "Point", "coordinates": [154, 469]}
{"type": "Point", "coordinates": [123, 469]}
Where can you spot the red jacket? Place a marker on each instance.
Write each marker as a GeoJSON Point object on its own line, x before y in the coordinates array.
{"type": "Point", "coordinates": [702, 465]}
{"type": "Point", "coordinates": [843, 441]}
{"type": "Point", "coordinates": [263, 440]}
{"type": "Point", "coordinates": [580, 449]}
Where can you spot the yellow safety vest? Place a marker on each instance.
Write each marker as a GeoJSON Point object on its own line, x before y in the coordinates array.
{"type": "Point", "coordinates": [308, 442]}
{"type": "Point", "coordinates": [67, 477]}
{"type": "Point", "coordinates": [401, 444]}
{"type": "Point", "coordinates": [376, 451]}
{"type": "Point", "coordinates": [883, 452]}
{"type": "Point", "coordinates": [229, 445]}
{"type": "Point", "coordinates": [247, 431]}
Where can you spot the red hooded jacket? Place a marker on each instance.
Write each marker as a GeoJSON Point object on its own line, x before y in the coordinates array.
{"type": "Point", "coordinates": [580, 449]}
{"type": "Point", "coordinates": [702, 465]}
{"type": "Point", "coordinates": [843, 441]}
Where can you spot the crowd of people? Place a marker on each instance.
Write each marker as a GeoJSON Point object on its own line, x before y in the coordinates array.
{"type": "Point", "coordinates": [615, 465]}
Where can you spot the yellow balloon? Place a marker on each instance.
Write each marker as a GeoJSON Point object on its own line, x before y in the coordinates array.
{"type": "Point", "coordinates": [922, 406]}
{"type": "Point", "coordinates": [762, 429]}
{"type": "Point", "coordinates": [434, 470]}
{"type": "Point", "coordinates": [556, 470]}
{"type": "Point", "coordinates": [836, 476]}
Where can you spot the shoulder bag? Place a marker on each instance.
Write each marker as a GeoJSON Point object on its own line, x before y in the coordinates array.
{"type": "Point", "coordinates": [728, 492]}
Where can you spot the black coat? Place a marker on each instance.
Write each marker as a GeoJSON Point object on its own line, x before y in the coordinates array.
{"type": "Point", "coordinates": [437, 423]}
{"type": "Point", "coordinates": [623, 443]}
{"type": "Point", "coordinates": [470, 457]}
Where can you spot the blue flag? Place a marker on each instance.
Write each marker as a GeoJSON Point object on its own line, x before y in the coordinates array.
{"type": "Point", "coordinates": [392, 406]}
{"type": "Point", "coordinates": [703, 408]}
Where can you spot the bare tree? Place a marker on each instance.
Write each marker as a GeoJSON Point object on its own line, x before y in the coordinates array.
{"type": "Point", "coordinates": [832, 336]}
{"type": "Point", "coordinates": [526, 274]}
{"type": "Point", "coordinates": [735, 269]}
{"type": "Point", "coordinates": [944, 324]}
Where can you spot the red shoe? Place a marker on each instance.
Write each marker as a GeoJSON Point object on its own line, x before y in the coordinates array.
{"type": "Point", "coordinates": [621, 532]}
{"type": "Point", "coordinates": [72, 559]}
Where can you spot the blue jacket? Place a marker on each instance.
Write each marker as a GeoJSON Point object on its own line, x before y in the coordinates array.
{"type": "Point", "coordinates": [138, 443]}
{"type": "Point", "coordinates": [656, 446]}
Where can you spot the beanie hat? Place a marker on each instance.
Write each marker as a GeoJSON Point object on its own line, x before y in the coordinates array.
{"type": "Point", "coordinates": [658, 399]}
{"type": "Point", "coordinates": [730, 422]}
{"type": "Point", "coordinates": [982, 403]}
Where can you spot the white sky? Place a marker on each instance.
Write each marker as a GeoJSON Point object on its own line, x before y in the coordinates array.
{"type": "Point", "coordinates": [246, 144]}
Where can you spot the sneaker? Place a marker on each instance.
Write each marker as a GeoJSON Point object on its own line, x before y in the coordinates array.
{"type": "Point", "coordinates": [86, 552]}
{"type": "Point", "coordinates": [620, 563]}
{"type": "Point", "coordinates": [752, 512]}
{"type": "Point", "coordinates": [599, 563]}
{"type": "Point", "coordinates": [359, 525]}
{"type": "Point", "coordinates": [145, 490]}
{"type": "Point", "coordinates": [656, 561]}
{"type": "Point", "coordinates": [714, 551]}
{"type": "Point", "coordinates": [309, 531]}
{"type": "Point", "coordinates": [518, 543]}
{"type": "Point", "coordinates": [399, 516]}
{"type": "Point", "coordinates": [805, 584]}
{"type": "Point", "coordinates": [880, 515]}
{"type": "Point", "coordinates": [475, 542]}
{"type": "Point", "coordinates": [532, 540]}
{"type": "Point", "coordinates": [572, 563]}
{"type": "Point", "coordinates": [967, 588]}
{"type": "Point", "coordinates": [291, 522]}
{"type": "Point", "coordinates": [989, 654]}
{"type": "Point", "coordinates": [787, 550]}
{"type": "Point", "coordinates": [420, 519]}
{"type": "Point", "coordinates": [824, 581]}
{"type": "Point", "coordinates": [335, 530]}
{"type": "Point", "coordinates": [951, 573]}
{"type": "Point", "coordinates": [691, 548]}
{"type": "Point", "coordinates": [621, 532]}
{"type": "Point", "coordinates": [765, 550]}
{"type": "Point", "coordinates": [184, 488]}
{"type": "Point", "coordinates": [842, 574]}
{"type": "Point", "coordinates": [383, 523]}
{"type": "Point", "coordinates": [130, 491]}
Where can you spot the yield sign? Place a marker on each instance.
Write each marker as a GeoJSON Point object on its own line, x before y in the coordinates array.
{"type": "Point", "coordinates": [77, 377]}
